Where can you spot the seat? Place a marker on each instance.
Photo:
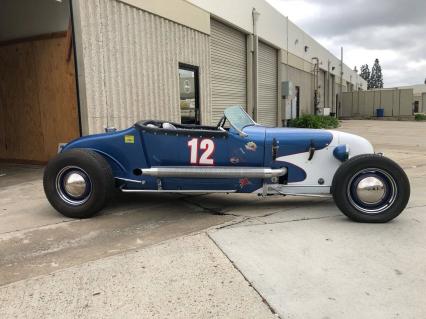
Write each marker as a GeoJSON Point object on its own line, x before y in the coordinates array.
{"type": "Point", "coordinates": [169, 126]}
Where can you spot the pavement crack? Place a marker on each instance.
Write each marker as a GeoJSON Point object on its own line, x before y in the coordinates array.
{"type": "Point", "coordinates": [242, 220]}
{"type": "Point", "coordinates": [281, 211]}
{"type": "Point", "coordinates": [208, 209]}
{"type": "Point", "coordinates": [259, 218]}
{"type": "Point", "coordinates": [419, 206]}
{"type": "Point", "coordinates": [264, 300]}
{"type": "Point", "coordinates": [300, 219]}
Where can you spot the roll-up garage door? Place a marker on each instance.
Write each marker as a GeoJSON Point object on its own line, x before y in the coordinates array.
{"type": "Point", "coordinates": [267, 107]}
{"type": "Point", "coordinates": [228, 68]}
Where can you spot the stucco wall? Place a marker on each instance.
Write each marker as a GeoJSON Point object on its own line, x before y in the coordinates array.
{"type": "Point", "coordinates": [395, 102]}
{"type": "Point", "coordinates": [274, 28]}
{"type": "Point", "coordinates": [305, 81]}
{"type": "Point", "coordinates": [130, 64]}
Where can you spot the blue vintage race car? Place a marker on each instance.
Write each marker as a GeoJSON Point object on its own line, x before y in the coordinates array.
{"type": "Point", "coordinates": [235, 156]}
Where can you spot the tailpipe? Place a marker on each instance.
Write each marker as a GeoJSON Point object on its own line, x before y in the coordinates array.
{"type": "Point", "coordinates": [214, 172]}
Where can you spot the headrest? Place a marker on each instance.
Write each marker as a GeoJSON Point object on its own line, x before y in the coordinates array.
{"type": "Point", "coordinates": [169, 126]}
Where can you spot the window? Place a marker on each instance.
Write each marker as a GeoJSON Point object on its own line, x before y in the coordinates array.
{"type": "Point", "coordinates": [188, 90]}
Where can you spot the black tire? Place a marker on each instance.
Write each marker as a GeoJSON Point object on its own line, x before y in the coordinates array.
{"type": "Point", "coordinates": [99, 182]}
{"type": "Point", "coordinates": [396, 192]}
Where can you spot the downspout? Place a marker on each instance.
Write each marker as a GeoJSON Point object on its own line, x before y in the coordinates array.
{"type": "Point", "coordinates": [341, 84]}
{"type": "Point", "coordinates": [287, 79]}
{"type": "Point", "coordinates": [279, 89]}
{"type": "Point", "coordinates": [315, 74]}
{"type": "Point", "coordinates": [250, 53]}
{"type": "Point", "coordinates": [328, 84]}
{"type": "Point", "coordinates": [255, 17]}
{"type": "Point", "coordinates": [287, 101]}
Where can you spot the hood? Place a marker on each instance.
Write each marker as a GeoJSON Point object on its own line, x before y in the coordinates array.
{"type": "Point", "coordinates": [298, 140]}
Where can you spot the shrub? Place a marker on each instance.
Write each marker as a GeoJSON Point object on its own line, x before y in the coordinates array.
{"type": "Point", "coordinates": [314, 121]}
{"type": "Point", "coordinates": [420, 117]}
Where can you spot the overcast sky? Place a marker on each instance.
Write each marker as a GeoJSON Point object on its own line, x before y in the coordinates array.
{"type": "Point", "coordinates": [392, 30]}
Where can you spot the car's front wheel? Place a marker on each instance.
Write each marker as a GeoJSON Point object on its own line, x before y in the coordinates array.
{"type": "Point", "coordinates": [371, 188]}
{"type": "Point", "coordinates": [78, 183]}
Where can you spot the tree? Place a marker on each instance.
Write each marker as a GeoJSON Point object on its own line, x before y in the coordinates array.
{"type": "Point", "coordinates": [376, 78]}
{"type": "Point", "coordinates": [365, 74]}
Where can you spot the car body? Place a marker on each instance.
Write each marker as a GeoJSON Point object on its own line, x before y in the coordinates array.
{"type": "Point", "coordinates": [236, 156]}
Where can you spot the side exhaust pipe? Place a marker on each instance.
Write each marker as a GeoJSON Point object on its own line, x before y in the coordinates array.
{"type": "Point", "coordinates": [214, 172]}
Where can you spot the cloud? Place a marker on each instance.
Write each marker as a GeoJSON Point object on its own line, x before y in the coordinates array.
{"type": "Point", "coordinates": [390, 30]}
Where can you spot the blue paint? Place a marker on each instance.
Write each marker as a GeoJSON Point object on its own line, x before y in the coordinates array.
{"type": "Point", "coordinates": [341, 152]}
{"type": "Point", "coordinates": [147, 148]}
{"type": "Point", "coordinates": [294, 140]}
{"type": "Point", "coordinates": [123, 157]}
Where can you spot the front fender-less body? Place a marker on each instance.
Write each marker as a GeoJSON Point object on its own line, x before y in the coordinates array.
{"type": "Point", "coordinates": [315, 164]}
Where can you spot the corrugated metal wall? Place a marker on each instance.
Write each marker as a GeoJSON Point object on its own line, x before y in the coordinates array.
{"type": "Point", "coordinates": [267, 107]}
{"type": "Point", "coordinates": [228, 68]}
{"type": "Point", "coordinates": [130, 60]}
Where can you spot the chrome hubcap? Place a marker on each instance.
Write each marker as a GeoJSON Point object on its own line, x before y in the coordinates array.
{"type": "Point", "coordinates": [370, 190]}
{"type": "Point", "coordinates": [74, 184]}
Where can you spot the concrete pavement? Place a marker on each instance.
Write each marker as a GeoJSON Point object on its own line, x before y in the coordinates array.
{"type": "Point", "coordinates": [181, 278]}
{"type": "Point", "coordinates": [35, 239]}
{"type": "Point", "coordinates": [149, 256]}
{"type": "Point", "coordinates": [329, 267]}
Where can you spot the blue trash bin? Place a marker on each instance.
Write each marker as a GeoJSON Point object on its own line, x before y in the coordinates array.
{"type": "Point", "coordinates": [380, 112]}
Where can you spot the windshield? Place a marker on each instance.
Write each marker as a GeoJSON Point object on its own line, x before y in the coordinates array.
{"type": "Point", "coordinates": [238, 118]}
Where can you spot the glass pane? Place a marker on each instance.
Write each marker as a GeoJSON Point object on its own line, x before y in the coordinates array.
{"type": "Point", "coordinates": [238, 118]}
{"type": "Point", "coordinates": [188, 102]}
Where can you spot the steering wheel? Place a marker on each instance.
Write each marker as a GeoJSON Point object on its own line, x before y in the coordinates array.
{"type": "Point", "coordinates": [221, 123]}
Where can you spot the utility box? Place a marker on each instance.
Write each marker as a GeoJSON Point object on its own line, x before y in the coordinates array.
{"type": "Point", "coordinates": [287, 89]}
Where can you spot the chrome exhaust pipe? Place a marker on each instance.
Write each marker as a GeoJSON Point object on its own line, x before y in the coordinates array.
{"type": "Point", "coordinates": [214, 172]}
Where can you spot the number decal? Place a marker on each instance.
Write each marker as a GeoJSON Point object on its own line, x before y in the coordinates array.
{"type": "Point", "coordinates": [193, 146]}
{"type": "Point", "coordinates": [207, 146]}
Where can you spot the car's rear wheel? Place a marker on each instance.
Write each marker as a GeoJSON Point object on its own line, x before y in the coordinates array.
{"type": "Point", "coordinates": [371, 188]}
{"type": "Point", "coordinates": [78, 183]}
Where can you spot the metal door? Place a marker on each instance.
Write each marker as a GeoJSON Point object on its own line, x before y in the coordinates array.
{"type": "Point", "coordinates": [228, 68]}
{"type": "Point", "coordinates": [267, 107]}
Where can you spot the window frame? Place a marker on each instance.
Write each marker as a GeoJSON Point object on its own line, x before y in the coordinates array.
{"type": "Point", "coordinates": [196, 70]}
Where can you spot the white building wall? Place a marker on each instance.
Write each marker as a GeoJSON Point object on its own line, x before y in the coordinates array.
{"type": "Point", "coordinates": [272, 28]}
{"type": "Point", "coordinates": [129, 64]}
{"type": "Point", "coordinates": [271, 23]}
{"type": "Point", "coordinates": [304, 81]}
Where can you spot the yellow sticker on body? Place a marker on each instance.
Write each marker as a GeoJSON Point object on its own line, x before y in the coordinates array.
{"type": "Point", "coordinates": [129, 139]}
